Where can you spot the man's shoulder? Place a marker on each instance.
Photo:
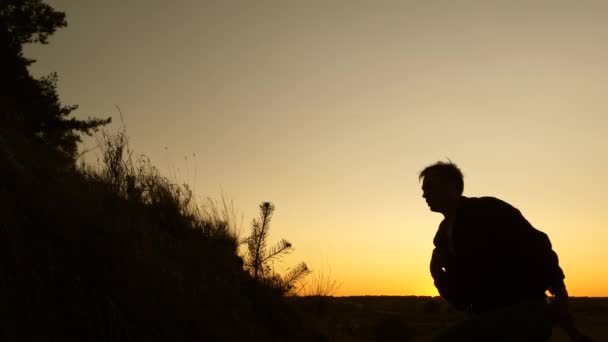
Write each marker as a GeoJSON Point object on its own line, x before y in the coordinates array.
{"type": "Point", "coordinates": [484, 201]}
{"type": "Point", "coordinates": [487, 205]}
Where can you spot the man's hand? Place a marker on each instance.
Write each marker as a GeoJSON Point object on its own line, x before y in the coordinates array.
{"type": "Point", "coordinates": [563, 316]}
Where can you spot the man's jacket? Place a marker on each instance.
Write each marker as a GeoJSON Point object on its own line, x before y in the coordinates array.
{"type": "Point", "coordinates": [492, 256]}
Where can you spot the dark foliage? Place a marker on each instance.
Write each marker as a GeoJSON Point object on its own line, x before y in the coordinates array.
{"type": "Point", "coordinates": [30, 108]}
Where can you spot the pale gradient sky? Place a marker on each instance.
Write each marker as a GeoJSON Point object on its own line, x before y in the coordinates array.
{"type": "Point", "coordinates": [329, 110]}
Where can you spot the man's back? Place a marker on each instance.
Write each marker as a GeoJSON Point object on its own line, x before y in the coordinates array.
{"type": "Point", "coordinates": [496, 257]}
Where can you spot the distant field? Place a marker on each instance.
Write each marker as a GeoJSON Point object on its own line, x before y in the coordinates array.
{"type": "Point", "coordinates": [387, 318]}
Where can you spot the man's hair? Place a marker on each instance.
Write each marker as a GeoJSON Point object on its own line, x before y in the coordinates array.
{"type": "Point", "coordinates": [446, 172]}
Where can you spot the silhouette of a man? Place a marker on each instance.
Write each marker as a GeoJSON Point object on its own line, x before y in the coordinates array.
{"type": "Point", "coordinates": [489, 260]}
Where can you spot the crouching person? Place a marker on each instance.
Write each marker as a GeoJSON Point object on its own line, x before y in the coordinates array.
{"type": "Point", "coordinates": [490, 261]}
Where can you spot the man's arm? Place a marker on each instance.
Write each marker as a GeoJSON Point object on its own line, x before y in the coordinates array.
{"type": "Point", "coordinates": [564, 317]}
{"type": "Point", "coordinates": [445, 282]}
{"type": "Point", "coordinates": [557, 287]}
{"type": "Point", "coordinates": [437, 263]}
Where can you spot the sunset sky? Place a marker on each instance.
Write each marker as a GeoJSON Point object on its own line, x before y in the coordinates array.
{"type": "Point", "coordinates": [329, 109]}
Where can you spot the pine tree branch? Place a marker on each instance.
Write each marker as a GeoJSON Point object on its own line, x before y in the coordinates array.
{"type": "Point", "coordinates": [283, 247]}
{"type": "Point", "coordinates": [298, 272]}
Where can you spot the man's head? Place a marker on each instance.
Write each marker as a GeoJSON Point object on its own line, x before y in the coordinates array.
{"type": "Point", "coordinates": [442, 186]}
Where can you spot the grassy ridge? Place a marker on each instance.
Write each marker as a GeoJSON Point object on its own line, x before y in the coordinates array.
{"type": "Point", "coordinates": [119, 254]}
{"type": "Point", "coordinates": [116, 253]}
